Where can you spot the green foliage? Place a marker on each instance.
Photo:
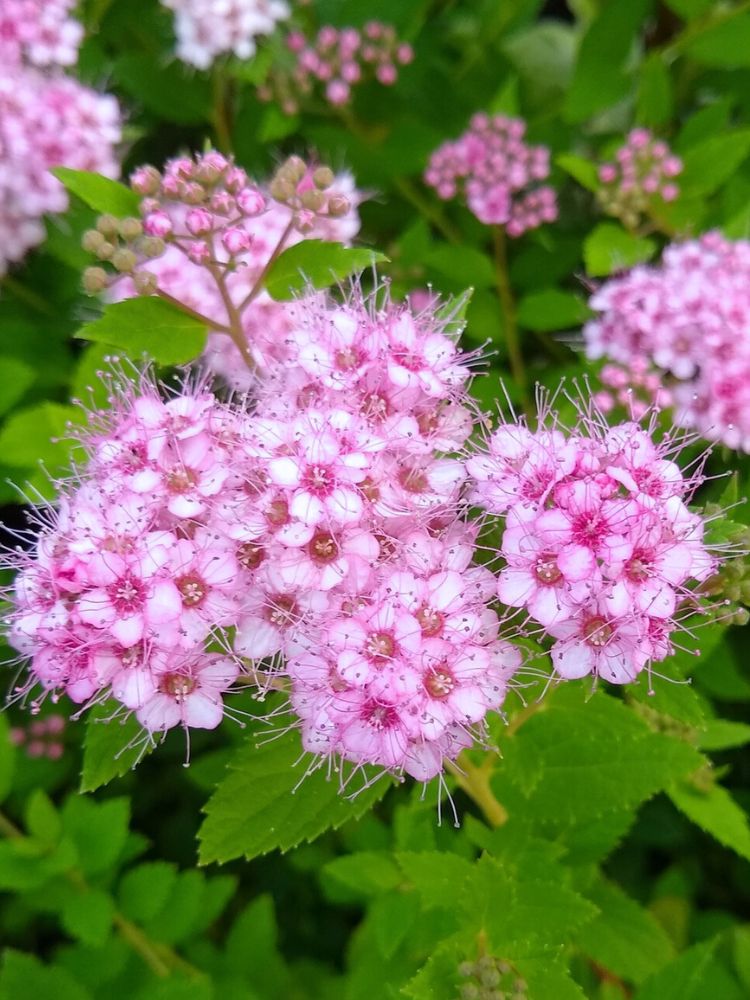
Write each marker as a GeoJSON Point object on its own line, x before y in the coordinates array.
{"type": "Point", "coordinates": [148, 326]}
{"type": "Point", "coordinates": [316, 264]}
{"type": "Point", "coordinates": [99, 192]}
{"type": "Point", "coordinates": [266, 802]}
{"type": "Point", "coordinates": [111, 747]}
{"type": "Point", "coordinates": [609, 248]}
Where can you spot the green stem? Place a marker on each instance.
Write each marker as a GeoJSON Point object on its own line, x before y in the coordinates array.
{"type": "Point", "coordinates": [26, 295]}
{"type": "Point", "coordinates": [160, 958]}
{"type": "Point", "coordinates": [221, 117]}
{"type": "Point", "coordinates": [212, 324]}
{"type": "Point", "coordinates": [260, 280]}
{"type": "Point", "coordinates": [431, 212]}
{"type": "Point", "coordinates": [234, 330]}
{"type": "Point", "coordinates": [475, 781]}
{"type": "Point", "coordinates": [508, 308]}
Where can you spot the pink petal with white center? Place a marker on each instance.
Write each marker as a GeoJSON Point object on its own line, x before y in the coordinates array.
{"type": "Point", "coordinates": [469, 701]}
{"type": "Point", "coordinates": [164, 603]}
{"type": "Point", "coordinates": [184, 506]}
{"type": "Point", "coordinates": [344, 505]}
{"type": "Point", "coordinates": [572, 659]}
{"type": "Point", "coordinates": [307, 508]}
{"type": "Point", "coordinates": [516, 586]}
{"type": "Point", "coordinates": [295, 534]}
{"type": "Point", "coordinates": [548, 606]}
{"type": "Point", "coordinates": [576, 562]}
{"type": "Point", "coordinates": [159, 714]}
{"type": "Point", "coordinates": [146, 481]}
{"type": "Point", "coordinates": [284, 471]}
{"type": "Point", "coordinates": [133, 687]}
{"type": "Point", "coordinates": [256, 638]}
{"type": "Point", "coordinates": [128, 631]}
{"type": "Point", "coordinates": [423, 761]}
{"type": "Point", "coordinates": [95, 608]}
{"type": "Point", "coordinates": [203, 710]}
{"type": "Point", "coordinates": [446, 590]}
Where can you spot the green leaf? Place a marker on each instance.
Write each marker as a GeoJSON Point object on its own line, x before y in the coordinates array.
{"type": "Point", "coordinates": [543, 56]}
{"type": "Point", "coordinates": [393, 916]}
{"type": "Point", "coordinates": [99, 192]}
{"type": "Point", "coordinates": [42, 819]}
{"type": "Point", "coordinates": [144, 890]}
{"type": "Point", "coordinates": [624, 938]}
{"type": "Point", "coordinates": [7, 757]}
{"type": "Point", "coordinates": [107, 749]}
{"type": "Point", "coordinates": [98, 830]}
{"type": "Point", "coordinates": [714, 160]}
{"type": "Point", "coordinates": [172, 90]}
{"type": "Point", "coordinates": [465, 266]}
{"type": "Point", "coordinates": [725, 45]}
{"type": "Point", "coordinates": [15, 378]}
{"type": "Point", "coordinates": [715, 811]}
{"type": "Point", "coordinates": [368, 873]}
{"type": "Point", "coordinates": [599, 80]}
{"type": "Point", "coordinates": [689, 9]}
{"type": "Point", "coordinates": [88, 916]}
{"type": "Point", "coordinates": [584, 171]}
{"type": "Point", "coordinates": [551, 309]}
{"type": "Point", "coordinates": [695, 975]}
{"type": "Point", "coordinates": [252, 950]}
{"type": "Point", "coordinates": [721, 734]}
{"type": "Point", "coordinates": [654, 101]}
{"type": "Point", "coordinates": [435, 875]}
{"type": "Point", "coordinates": [266, 802]}
{"type": "Point", "coordinates": [316, 264]}
{"type": "Point", "coordinates": [609, 248]}
{"type": "Point", "coordinates": [148, 325]}
{"type": "Point", "coordinates": [576, 760]}
{"type": "Point", "coordinates": [24, 977]}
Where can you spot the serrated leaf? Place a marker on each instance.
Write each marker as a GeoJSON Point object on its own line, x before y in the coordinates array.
{"type": "Point", "coordinates": [695, 975]}
{"type": "Point", "coordinates": [716, 812]}
{"type": "Point", "coordinates": [577, 760]}
{"type": "Point", "coordinates": [107, 750]}
{"type": "Point", "coordinates": [24, 977]}
{"type": "Point", "coordinates": [99, 192]}
{"type": "Point", "coordinates": [252, 951]}
{"type": "Point", "coordinates": [609, 248]}
{"type": "Point", "coordinates": [144, 890]}
{"type": "Point", "coordinates": [624, 938]}
{"type": "Point", "coordinates": [368, 873]}
{"type": "Point", "coordinates": [551, 309]}
{"type": "Point", "coordinates": [42, 819]}
{"type": "Point", "coordinates": [584, 171]}
{"type": "Point", "coordinates": [98, 830]}
{"type": "Point", "coordinates": [181, 914]}
{"type": "Point", "coordinates": [148, 325]}
{"type": "Point", "coordinates": [258, 806]}
{"type": "Point", "coordinates": [434, 874]}
{"type": "Point", "coordinates": [316, 264]}
{"type": "Point", "coordinates": [88, 916]}
{"type": "Point", "coordinates": [393, 916]}
{"type": "Point", "coordinates": [721, 734]}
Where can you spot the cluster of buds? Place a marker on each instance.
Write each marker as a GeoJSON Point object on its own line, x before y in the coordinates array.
{"type": "Point", "coordinates": [498, 173]}
{"type": "Point", "coordinates": [308, 194]}
{"type": "Point", "coordinates": [336, 60]}
{"type": "Point", "coordinates": [490, 978]}
{"type": "Point", "coordinates": [636, 389]}
{"type": "Point", "coordinates": [41, 738]}
{"type": "Point", "coordinates": [641, 174]}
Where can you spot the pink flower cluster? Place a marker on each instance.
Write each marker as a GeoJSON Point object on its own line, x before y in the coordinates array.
{"type": "Point", "coordinates": [213, 232]}
{"type": "Point", "coordinates": [315, 533]}
{"type": "Point", "coordinates": [207, 29]}
{"type": "Point", "coordinates": [40, 32]}
{"type": "Point", "coordinates": [337, 60]}
{"type": "Point", "coordinates": [686, 323]}
{"type": "Point", "coordinates": [637, 389]}
{"type": "Point", "coordinates": [498, 172]}
{"type": "Point", "coordinates": [46, 120]}
{"type": "Point", "coordinates": [599, 544]}
{"type": "Point", "coordinates": [642, 172]}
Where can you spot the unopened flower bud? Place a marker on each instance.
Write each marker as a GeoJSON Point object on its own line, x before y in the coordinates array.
{"type": "Point", "coordinates": [91, 241]}
{"type": "Point", "coordinates": [152, 246]}
{"type": "Point", "coordinates": [108, 225]}
{"type": "Point", "coordinates": [124, 260]}
{"type": "Point", "coordinates": [323, 177]}
{"type": "Point", "coordinates": [158, 224]}
{"type": "Point", "coordinates": [145, 282]}
{"type": "Point", "coordinates": [131, 228]}
{"type": "Point", "coordinates": [281, 190]}
{"type": "Point", "coordinates": [235, 240]}
{"type": "Point", "coordinates": [313, 200]}
{"type": "Point", "coordinates": [105, 251]}
{"type": "Point", "coordinates": [95, 280]}
{"type": "Point", "coordinates": [304, 221]}
{"type": "Point", "coordinates": [145, 180]}
{"type": "Point", "coordinates": [338, 205]}
{"type": "Point", "coordinates": [250, 201]}
{"type": "Point", "coordinates": [294, 168]}
{"type": "Point", "coordinates": [198, 221]}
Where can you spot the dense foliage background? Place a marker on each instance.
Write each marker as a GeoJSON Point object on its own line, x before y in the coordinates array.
{"type": "Point", "coordinates": [621, 868]}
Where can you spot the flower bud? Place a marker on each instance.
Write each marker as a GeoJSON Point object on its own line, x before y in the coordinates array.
{"type": "Point", "coordinates": [145, 180]}
{"type": "Point", "coordinates": [152, 246]}
{"type": "Point", "coordinates": [294, 168]}
{"type": "Point", "coordinates": [323, 177]}
{"type": "Point", "coordinates": [124, 260]}
{"type": "Point", "coordinates": [145, 282]}
{"type": "Point", "coordinates": [199, 221]}
{"type": "Point", "coordinates": [304, 221]}
{"type": "Point", "coordinates": [235, 240]}
{"type": "Point", "coordinates": [105, 251]}
{"type": "Point", "coordinates": [313, 200]}
{"type": "Point", "coordinates": [158, 224]}
{"type": "Point", "coordinates": [250, 201]}
{"type": "Point", "coordinates": [91, 241]}
{"type": "Point", "coordinates": [95, 280]}
{"type": "Point", "coordinates": [108, 225]}
{"type": "Point", "coordinates": [281, 189]}
{"type": "Point", "coordinates": [338, 205]}
{"type": "Point", "coordinates": [131, 228]}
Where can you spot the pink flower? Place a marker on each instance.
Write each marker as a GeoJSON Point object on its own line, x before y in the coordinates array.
{"type": "Point", "coordinates": [188, 693]}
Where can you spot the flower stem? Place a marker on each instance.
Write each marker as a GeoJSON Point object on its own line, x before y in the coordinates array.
{"type": "Point", "coordinates": [508, 308]}
{"type": "Point", "coordinates": [475, 781]}
{"type": "Point", "coordinates": [259, 281]}
{"type": "Point", "coordinates": [426, 208]}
